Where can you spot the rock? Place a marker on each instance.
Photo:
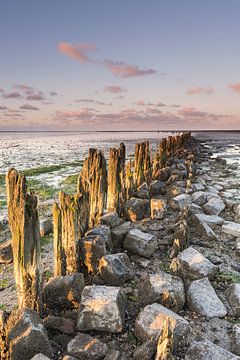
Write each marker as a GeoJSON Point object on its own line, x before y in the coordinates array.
{"type": "Point", "coordinates": [40, 356]}
{"type": "Point", "coordinates": [111, 219]}
{"type": "Point", "coordinates": [206, 350]}
{"type": "Point", "coordinates": [199, 197]}
{"type": "Point", "coordinates": [136, 209]}
{"type": "Point", "coordinates": [237, 213]}
{"type": "Point", "coordinates": [115, 269]}
{"type": "Point", "coordinates": [163, 288]}
{"type": "Point", "coordinates": [180, 201]}
{"type": "Point", "coordinates": [173, 179]}
{"type": "Point", "coordinates": [113, 355]}
{"type": "Point", "coordinates": [145, 351]}
{"type": "Point", "coordinates": [64, 291]}
{"type": "Point", "coordinates": [157, 187]}
{"type": "Point", "coordinates": [206, 232]}
{"type": "Point", "coordinates": [197, 187]}
{"type": "Point", "coordinates": [194, 209]}
{"type": "Point", "coordinates": [119, 233]}
{"type": "Point", "coordinates": [193, 265]}
{"type": "Point", "coordinates": [46, 226]}
{"type": "Point", "coordinates": [236, 339]}
{"type": "Point", "coordinates": [158, 208]}
{"type": "Point", "coordinates": [6, 253]}
{"type": "Point", "coordinates": [92, 248]}
{"type": "Point", "coordinates": [102, 308]}
{"type": "Point", "coordinates": [231, 228]}
{"type": "Point", "coordinates": [140, 243]}
{"type": "Point", "coordinates": [164, 173]}
{"type": "Point", "coordinates": [211, 220]}
{"type": "Point", "coordinates": [105, 232]}
{"type": "Point", "coordinates": [142, 192]}
{"type": "Point", "coordinates": [237, 251]}
{"type": "Point", "coordinates": [202, 299]}
{"type": "Point", "coordinates": [214, 206]}
{"type": "Point", "coordinates": [26, 335]}
{"type": "Point", "coordinates": [221, 161]}
{"type": "Point", "coordinates": [66, 326]}
{"type": "Point", "coordinates": [150, 321]}
{"type": "Point", "coordinates": [234, 298]}
{"type": "Point", "coordinates": [69, 357]}
{"type": "Point", "coordinates": [87, 347]}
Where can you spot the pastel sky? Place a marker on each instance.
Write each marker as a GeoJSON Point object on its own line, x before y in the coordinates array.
{"type": "Point", "coordinates": [119, 65]}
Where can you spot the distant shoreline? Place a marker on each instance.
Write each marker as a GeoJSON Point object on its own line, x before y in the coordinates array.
{"type": "Point", "coordinates": [116, 131]}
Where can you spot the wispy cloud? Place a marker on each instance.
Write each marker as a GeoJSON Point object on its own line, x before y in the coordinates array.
{"type": "Point", "coordinates": [3, 108]}
{"type": "Point", "coordinates": [53, 93]}
{"type": "Point", "coordinates": [235, 87]}
{"type": "Point", "coordinates": [12, 95]}
{"type": "Point", "coordinates": [114, 89]}
{"type": "Point", "coordinates": [77, 52]}
{"type": "Point", "coordinates": [25, 88]}
{"type": "Point", "coordinates": [35, 96]}
{"type": "Point", "coordinates": [85, 101]}
{"type": "Point", "coordinates": [206, 90]}
{"type": "Point", "coordinates": [28, 107]}
{"type": "Point", "coordinates": [124, 70]}
{"type": "Point", "coordinates": [1, 90]}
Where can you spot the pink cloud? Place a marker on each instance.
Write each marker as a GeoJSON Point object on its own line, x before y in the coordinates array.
{"type": "Point", "coordinates": [12, 95]}
{"type": "Point", "coordinates": [115, 89]}
{"type": "Point", "coordinates": [235, 87]}
{"type": "Point", "coordinates": [25, 88]}
{"type": "Point", "coordinates": [77, 52]}
{"type": "Point", "coordinates": [123, 70]}
{"type": "Point", "coordinates": [140, 103]}
{"type": "Point", "coordinates": [200, 90]}
{"type": "Point", "coordinates": [28, 107]}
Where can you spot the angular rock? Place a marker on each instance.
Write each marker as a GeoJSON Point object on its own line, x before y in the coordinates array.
{"type": "Point", "coordinates": [191, 264]}
{"type": "Point", "coordinates": [214, 206]}
{"type": "Point", "coordinates": [163, 288]}
{"type": "Point", "coordinates": [145, 351]}
{"type": "Point", "coordinates": [26, 335]}
{"type": "Point", "coordinates": [150, 321]}
{"type": "Point", "coordinates": [136, 209]}
{"type": "Point", "coordinates": [66, 326]}
{"type": "Point", "coordinates": [140, 243]}
{"type": "Point", "coordinates": [40, 356]}
{"type": "Point", "coordinates": [206, 350]}
{"type": "Point", "coordinates": [180, 201]}
{"type": "Point", "coordinates": [197, 187]}
{"type": "Point", "coordinates": [111, 219]}
{"type": "Point", "coordinates": [157, 187]}
{"type": "Point", "coordinates": [194, 209]}
{"type": "Point", "coordinates": [113, 355]}
{"type": "Point", "coordinates": [115, 269]}
{"type": "Point", "coordinates": [164, 173]}
{"type": "Point", "coordinates": [211, 220]}
{"type": "Point", "coordinates": [6, 253]}
{"type": "Point", "coordinates": [69, 357]}
{"type": "Point", "coordinates": [92, 248]}
{"type": "Point", "coordinates": [104, 231]}
{"type": "Point", "coordinates": [64, 291]}
{"type": "Point", "coordinates": [158, 208]}
{"type": "Point", "coordinates": [119, 233]}
{"type": "Point", "coordinates": [199, 197]}
{"type": "Point", "coordinates": [102, 308]}
{"type": "Point", "coordinates": [236, 339]}
{"type": "Point", "coordinates": [231, 228]}
{"type": "Point", "coordinates": [202, 298]}
{"type": "Point", "coordinates": [234, 298]}
{"type": "Point", "coordinates": [46, 227]}
{"type": "Point", "coordinates": [86, 347]}
{"type": "Point", "coordinates": [206, 232]}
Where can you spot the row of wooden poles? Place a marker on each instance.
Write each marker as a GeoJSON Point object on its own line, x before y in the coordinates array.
{"type": "Point", "coordinates": [98, 188]}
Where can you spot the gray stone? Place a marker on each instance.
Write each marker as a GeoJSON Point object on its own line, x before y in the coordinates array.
{"type": "Point", "coordinates": [136, 209]}
{"type": "Point", "coordinates": [157, 187]}
{"type": "Point", "coordinates": [234, 298]}
{"type": "Point", "coordinates": [211, 220]}
{"type": "Point", "coordinates": [194, 209]}
{"type": "Point", "coordinates": [197, 187]}
{"type": "Point", "coordinates": [46, 226]}
{"type": "Point", "coordinates": [64, 325]}
{"type": "Point", "coordinates": [150, 321]}
{"type": "Point", "coordinates": [140, 243]}
{"type": "Point", "coordinates": [193, 265]}
{"type": "Point", "coordinates": [206, 350]}
{"type": "Point", "coordinates": [6, 253]}
{"type": "Point", "coordinates": [199, 198]}
{"type": "Point", "coordinates": [119, 233]}
{"type": "Point", "coordinates": [40, 356]}
{"type": "Point", "coordinates": [87, 347]}
{"type": "Point", "coordinates": [92, 248]}
{"type": "Point", "coordinates": [115, 269]}
{"type": "Point", "coordinates": [162, 288]}
{"type": "Point", "coordinates": [111, 219]}
{"type": "Point", "coordinates": [57, 291]}
{"type": "Point", "coordinates": [158, 208]}
{"type": "Point", "coordinates": [206, 232]}
{"type": "Point", "coordinates": [164, 173]}
{"type": "Point", "coordinates": [236, 339]}
{"type": "Point", "coordinates": [231, 228]}
{"type": "Point", "coordinates": [104, 231]}
{"type": "Point", "coordinates": [214, 206]}
{"type": "Point", "coordinates": [237, 213]}
{"type": "Point", "coordinates": [145, 351]}
{"type": "Point", "coordinates": [202, 298]}
{"type": "Point", "coordinates": [102, 308]}
{"type": "Point", "coordinates": [69, 357]}
{"type": "Point", "coordinates": [113, 355]}
{"type": "Point", "coordinates": [180, 201]}
{"type": "Point", "coordinates": [26, 335]}
{"type": "Point", "coordinates": [237, 251]}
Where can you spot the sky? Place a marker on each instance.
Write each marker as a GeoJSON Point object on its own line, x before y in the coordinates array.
{"type": "Point", "coordinates": [119, 65]}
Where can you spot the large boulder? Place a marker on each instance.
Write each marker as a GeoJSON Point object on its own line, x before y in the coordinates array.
{"type": "Point", "coordinates": [6, 253]}
{"type": "Point", "coordinates": [92, 248]}
{"type": "Point", "coordinates": [26, 335]}
{"type": "Point", "coordinates": [158, 208]}
{"type": "Point", "coordinates": [115, 269]}
{"type": "Point", "coordinates": [64, 291]}
{"type": "Point", "coordinates": [157, 187]}
{"type": "Point", "coordinates": [202, 299]}
{"type": "Point", "coordinates": [162, 288]}
{"type": "Point", "coordinates": [150, 321]}
{"type": "Point", "coordinates": [234, 298]}
{"type": "Point", "coordinates": [111, 219]}
{"type": "Point", "coordinates": [102, 308]}
{"type": "Point", "coordinates": [136, 209]}
{"type": "Point", "coordinates": [119, 233]}
{"type": "Point", "coordinates": [87, 347]}
{"type": "Point", "coordinates": [104, 231]}
{"type": "Point", "coordinates": [231, 228]}
{"type": "Point", "coordinates": [191, 264]}
{"type": "Point", "coordinates": [140, 243]}
{"type": "Point", "coordinates": [181, 201]}
{"type": "Point", "coordinates": [206, 350]}
{"type": "Point", "coordinates": [214, 206]}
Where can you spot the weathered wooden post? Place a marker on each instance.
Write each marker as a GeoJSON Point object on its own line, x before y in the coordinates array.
{"type": "Point", "coordinates": [142, 163]}
{"type": "Point", "coordinates": [92, 183]}
{"type": "Point", "coordinates": [116, 179]}
{"type": "Point", "coordinates": [24, 225]}
{"type": "Point", "coordinates": [129, 181]}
